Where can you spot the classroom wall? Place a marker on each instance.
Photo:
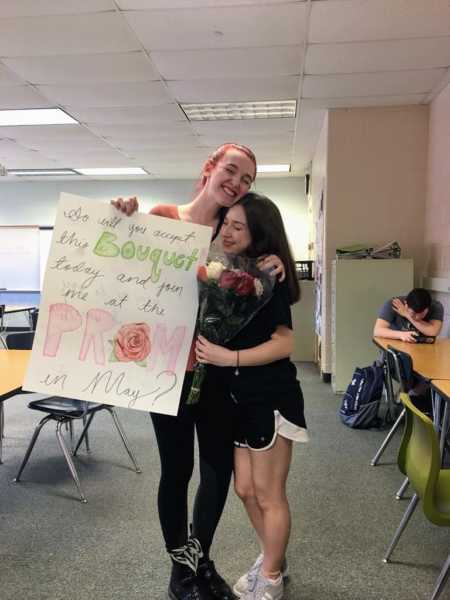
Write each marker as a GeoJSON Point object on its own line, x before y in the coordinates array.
{"type": "Point", "coordinates": [437, 210]}
{"type": "Point", "coordinates": [376, 184]}
{"type": "Point", "coordinates": [34, 203]}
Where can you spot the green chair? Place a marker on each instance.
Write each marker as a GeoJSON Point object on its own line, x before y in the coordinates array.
{"type": "Point", "coordinates": [419, 458]}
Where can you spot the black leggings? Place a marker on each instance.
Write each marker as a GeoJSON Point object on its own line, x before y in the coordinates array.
{"type": "Point", "coordinates": [212, 419]}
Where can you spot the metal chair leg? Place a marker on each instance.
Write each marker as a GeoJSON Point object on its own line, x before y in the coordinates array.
{"type": "Point", "coordinates": [440, 583]}
{"type": "Point", "coordinates": [402, 489]}
{"type": "Point", "coordinates": [388, 438]}
{"type": "Point", "coordinates": [84, 432]}
{"type": "Point", "coordinates": [86, 436]}
{"type": "Point", "coordinates": [37, 431]}
{"type": "Point", "coordinates": [121, 431]}
{"type": "Point", "coordinates": [403, 523]}
{"type": "Point", "coordinates": [69, 461]}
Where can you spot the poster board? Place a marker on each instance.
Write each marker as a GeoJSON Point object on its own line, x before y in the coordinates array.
{"type": "Point", "coordinates": [118, 307]}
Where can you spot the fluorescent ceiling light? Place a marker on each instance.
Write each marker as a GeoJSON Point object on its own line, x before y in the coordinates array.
{"type": "Point", "coordinates": [35, 116]}
{"type": "Point", "coordinates": [272, 109]}
{"type": "Point", "coordinates": [274, 168]}
{"type": "Point", "coordinates": [113, 171]}
{"type": "Point", "coordinates": [39, 172]}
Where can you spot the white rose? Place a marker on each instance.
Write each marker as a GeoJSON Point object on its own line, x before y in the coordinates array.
{"type": "Point", "coordinates": [259, 288]}
{"type": "Point", "coordinates": [214, 269]}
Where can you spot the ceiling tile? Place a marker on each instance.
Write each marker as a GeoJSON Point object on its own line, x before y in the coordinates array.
{"type": "Point", "coordinates": [129, 116]}
{"type": "Point", "coordinates": [155, 142]}
{"type": "Point", "coordinates": [371, 84]}
{"type": "Point", "coordinates": [251, 139]}
{"type": "Point", "coordinates": [7, 77]}
{"type": "Point", "coordinates": [360, 101]}
{"type": "Point", "coordinates": [94, 68]}
{"type": "Point", "coordinates": [74, 34]}
{"type": "Point", "coordinates": [232, 63]}
{"type": "Point", "coordinates": [126, 94]}
{"type": "Point", "coordinates": [27, 133]}
{"type": "Point", "coordinates": [31, 8]}
{"type": "Point", "coordinates": [21, 96]}
{"type": "Point", "coordinates": [217, 90]}
{"type": "Point", "coordinates": [243, 126]}
{"type": "Point", "coordinates": [351, 20]}
{"type": "Point", "coordinates": [359, 57]}
{"type": "Point", "coordinates": [94, 158]}
{"type": "Point", "coordinates": [142, 131]}
{"type": "Point", "coordinates": [220, 27]}
{"type": "Point", "coordinates": [172, 4]}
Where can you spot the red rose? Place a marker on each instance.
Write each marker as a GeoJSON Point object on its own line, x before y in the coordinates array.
{"type": "Point", "coordinates": [245, 286]}
{"type": "Point", "coordinates": [202, 274]}
{"type": "Point", "coordinates": [132, 342]}
{"type": "Point", "coordinates": [229, 280]}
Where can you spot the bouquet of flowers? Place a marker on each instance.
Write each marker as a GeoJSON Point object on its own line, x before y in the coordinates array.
{"type": "Point", "coordinates": [231, 291]}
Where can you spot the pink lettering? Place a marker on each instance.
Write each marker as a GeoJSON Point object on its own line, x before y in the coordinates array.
{"type": "Point", "coordinates": [161, 346]}
{"type": "Point", "coordinates": [97, 322]}
{"type": "Point", "coordinates": [62, 319]}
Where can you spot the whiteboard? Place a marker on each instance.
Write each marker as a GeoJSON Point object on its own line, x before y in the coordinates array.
{"type": "Point", "coordinates": [45, 239]}
{"type": "Point", "coordinates": [19, 258]}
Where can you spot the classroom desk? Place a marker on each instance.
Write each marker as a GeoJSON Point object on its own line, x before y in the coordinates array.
{"type": "Point", "coordinates": [430, 361]}
{"type": "Point", "coordinates": [10, 309]}
{"type": "Point", "coordinates": [13, 365]}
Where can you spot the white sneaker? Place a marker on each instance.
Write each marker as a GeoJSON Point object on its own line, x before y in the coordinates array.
{"type": "Point", "coordinates": [265, 589]}
{"type": "Point", "coordinates": [246, 580]}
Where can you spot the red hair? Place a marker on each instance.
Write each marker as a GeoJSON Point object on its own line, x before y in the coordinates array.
{"type": "Point", "coordinates": [218, 154]}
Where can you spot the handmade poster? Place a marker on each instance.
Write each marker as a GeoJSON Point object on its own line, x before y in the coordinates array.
{"type": "Point", "coordinates": [118, 307]}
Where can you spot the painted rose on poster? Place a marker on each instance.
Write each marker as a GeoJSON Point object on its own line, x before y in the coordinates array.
{"type": "Point", "coordinates": [118, 308]}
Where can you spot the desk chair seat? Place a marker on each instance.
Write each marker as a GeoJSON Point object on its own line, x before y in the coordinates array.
{"type": "Point", "coordinates": [64, 411]}
{"type": "Point", "coordinates": [419, 458]}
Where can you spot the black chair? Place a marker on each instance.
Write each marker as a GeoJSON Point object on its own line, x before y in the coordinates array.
{"type": "Point", "coordinates": [64, 411]}
{"type": "Point", "coordinates": [398, 368]}
{"type": "Point", "coordinates": [33, 314]}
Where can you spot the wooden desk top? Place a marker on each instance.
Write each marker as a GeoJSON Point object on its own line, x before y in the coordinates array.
{"type": "Point", "coordinates": [442, 386]}
{"type": "Point", "coordinates": [431, 361]}
{"type": "Point", "coordinates": [13, 365]}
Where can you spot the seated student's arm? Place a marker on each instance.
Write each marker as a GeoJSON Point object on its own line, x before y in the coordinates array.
{"type": "Point", "coordinates": [279, 346]}
{"type": "Point", "coordinates": [383, 329]}
{"type": "Point", "coordinates": [429, 328]}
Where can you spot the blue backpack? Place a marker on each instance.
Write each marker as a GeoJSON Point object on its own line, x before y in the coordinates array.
{"type": "Point", "coordinates": [361, 401]}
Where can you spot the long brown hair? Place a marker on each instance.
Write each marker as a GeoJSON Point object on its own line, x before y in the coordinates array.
{"type": "Point", "coordinates": [269, 236]}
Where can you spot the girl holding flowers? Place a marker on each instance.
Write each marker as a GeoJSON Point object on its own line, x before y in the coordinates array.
{"type": "Point", "coordinates": [226, 176]}
{"type": "Point", "coordinates": [267, 396]}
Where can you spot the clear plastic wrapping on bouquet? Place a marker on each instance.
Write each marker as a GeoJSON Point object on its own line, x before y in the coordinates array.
{"type": "Point", "coordinates": [232, 289]}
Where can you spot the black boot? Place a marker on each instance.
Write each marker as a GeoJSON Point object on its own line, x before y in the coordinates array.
{"type": "Point", "coordinates": [210, 580]}
{"type": "Point", "coordinates": [184, 584]}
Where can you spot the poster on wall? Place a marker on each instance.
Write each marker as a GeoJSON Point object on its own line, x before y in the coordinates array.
{"type": "Point", "coordinates": [319, 266]}
{"type": "Point", "coordinates": [118, 307]}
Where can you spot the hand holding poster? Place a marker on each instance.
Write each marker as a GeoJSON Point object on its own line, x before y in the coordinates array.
{"type": "Point", "coordinates": [118, 308]}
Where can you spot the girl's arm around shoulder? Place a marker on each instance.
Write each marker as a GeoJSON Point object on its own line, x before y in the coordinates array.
{"type": "Point", "coordinates": [279, 346]}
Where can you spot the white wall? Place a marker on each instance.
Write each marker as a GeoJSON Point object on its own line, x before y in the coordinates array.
{"type": "Point", "coordinates": [34, 203]}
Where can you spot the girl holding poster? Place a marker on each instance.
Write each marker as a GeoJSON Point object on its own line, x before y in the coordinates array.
{"type": "Point", "coordinates": [226, 177]}
{"type": "Point", "coordinates": [267, 397]}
